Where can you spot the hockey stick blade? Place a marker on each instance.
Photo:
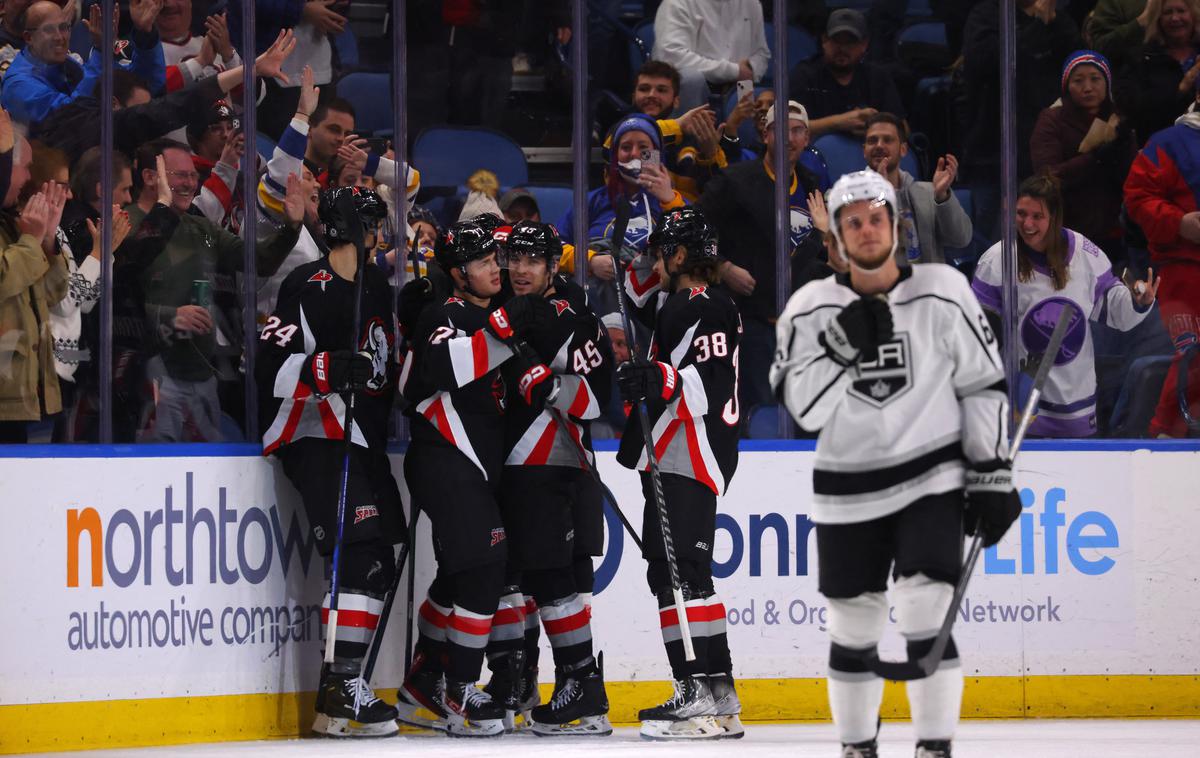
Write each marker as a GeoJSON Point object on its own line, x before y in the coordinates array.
{"type": "Point", "coordinates": [905, 671]}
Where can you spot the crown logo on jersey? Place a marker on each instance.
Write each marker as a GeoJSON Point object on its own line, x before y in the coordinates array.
{"type": "Point", "coordinates": [562, 306]}
{"type": "Point", "coordinates": [698, 292]}
{"type": "Point", "coordinates": [322, 276]}
{"type": "Point", "coordinates": [455, 301]}
{"type": "Point", "coordinates": [880, 389]}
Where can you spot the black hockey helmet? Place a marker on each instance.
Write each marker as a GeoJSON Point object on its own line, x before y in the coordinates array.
{"type": "Point", "coordinates": [536, 240]}
{"type": "Point", "coordinates": [368, 206]}
{"type": "Point", "coordinates": [467, 241]}
{"type": "Point", "coordinates": [685, 226]}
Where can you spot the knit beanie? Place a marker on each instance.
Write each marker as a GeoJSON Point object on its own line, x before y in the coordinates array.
{"type": "Point", "coordinates": [1091, 58]}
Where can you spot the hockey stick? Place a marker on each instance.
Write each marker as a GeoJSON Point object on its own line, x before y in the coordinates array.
{"type": "Point", "coordinates": [620, 224]}
{"type": "Point", "coordinates": [345, 206]}
{"type": "Point", "coordinates": [401, 564]}
{"type": "Point", "coordinates": [903, 671]}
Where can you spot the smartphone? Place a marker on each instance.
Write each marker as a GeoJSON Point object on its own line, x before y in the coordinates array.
{"type": "Point", "coordinates": [744, 87]}
{"type": "Point", "coordinates": [378, 145]}
{"type": "Point", "coordinates": [651, 157]}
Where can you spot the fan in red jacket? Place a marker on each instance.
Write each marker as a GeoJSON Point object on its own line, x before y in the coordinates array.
{"type": "Point", "coordinates": [1162, 194]}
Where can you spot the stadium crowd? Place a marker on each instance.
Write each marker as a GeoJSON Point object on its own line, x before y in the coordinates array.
{"type": "Point", "coordinates": [1108, 144]}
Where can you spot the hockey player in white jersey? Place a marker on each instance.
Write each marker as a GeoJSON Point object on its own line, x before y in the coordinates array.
{"type": "Point", "coordinates": [898, 370]}
{"type": "Point", "coordinates": [1057, 268]}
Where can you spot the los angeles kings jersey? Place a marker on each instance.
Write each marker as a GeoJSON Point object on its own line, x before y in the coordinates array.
{"type": "Point", "coordinates": [903, 426]}
{"type": "Point", "coordinates": [453, 382]}
{"type": "Point", "coordinates": [315, 313]}
{"type": "Point", "coordinates": [698, 332]}
{"type": "Point", "coordinates": [577, 349]}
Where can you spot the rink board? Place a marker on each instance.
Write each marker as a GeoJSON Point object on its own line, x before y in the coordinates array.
{"type": "Point", "coordinates": [168, 599]}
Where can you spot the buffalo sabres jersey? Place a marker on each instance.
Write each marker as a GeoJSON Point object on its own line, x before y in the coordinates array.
{"type": "Point", "coordinates": [315, 313]}
{"type": "Point", "coordinates": [1068, 404]}
{"type": "Point", "coordinates": [898, 428]}
{"type": "Point", "coordinates": [698, 332]}
{"type": "Point", "coordinates": [577, 349]}
{"type": "Point", "coordinates": [453, 383]}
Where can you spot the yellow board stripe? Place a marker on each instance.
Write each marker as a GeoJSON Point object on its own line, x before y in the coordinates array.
{"type": "Point", "coordinates": [173, 721]}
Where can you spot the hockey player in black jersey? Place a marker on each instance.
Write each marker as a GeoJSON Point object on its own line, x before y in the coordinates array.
{"type": "Point", "coordinates": [559, 381]}
{"type": "Point", "coordinates": [305, 368]}
{"type": "Point", "coordinates": [899, 372]}
{"type": "Point", "coordinates": [453, 382]}
{"type": "Point", "coordinates": [690, 386]}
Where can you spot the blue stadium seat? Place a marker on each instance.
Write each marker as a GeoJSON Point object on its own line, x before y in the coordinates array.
{"type": "Point", "coordinates": [553, 201]}
{"type": "Point", "coordinates": [963, 258]}
{"type": "Point", "coordinates": [919, 9]}
{"type": "Point", "coordinates": [844, 154]}
{"type": "Point", "coordinates": [371, 96]}
{"type": "Point", "coordinates": [346, 45]}
{"type": "Point", "coordinates": [265, 145]}
{"type": "Point", "coordinates": [923, 42]}
{"type": "Point", "coordinates": [639, 55]}
{"type": "Point", "coordinates": [800, 47]}
{"type": "Point", "coordinates": [446, 156]}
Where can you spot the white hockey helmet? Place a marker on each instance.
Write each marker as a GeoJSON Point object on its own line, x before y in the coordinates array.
{"type": "Point", "coordinates": [861, 185]}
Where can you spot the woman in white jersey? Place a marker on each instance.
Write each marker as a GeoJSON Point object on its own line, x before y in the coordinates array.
{"type": "Point", "coordinates": [1057, 267]}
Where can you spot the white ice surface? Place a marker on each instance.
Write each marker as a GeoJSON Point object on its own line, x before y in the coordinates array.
{"type": "Point", "coordinates": [977, 739]}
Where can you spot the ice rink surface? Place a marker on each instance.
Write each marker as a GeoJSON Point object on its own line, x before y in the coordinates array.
{"type": "Point", "coordinates": [976, 739]}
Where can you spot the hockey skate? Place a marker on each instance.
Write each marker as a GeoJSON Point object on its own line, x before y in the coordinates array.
{"type": "Point", "coordinates": [579, 706]}
{"type": "Point", "coordinates": [515, 687]}
{"type": "Point", "coordinates": [687, 715]}
{"type": "Point", "coordinates": [470, 712]}
{"type": "Point", "coordinates": [418, 702]}
{"type": "Point", "coordinates": [933, 749]}
{"type": "Point", "coordinates": [727, 706]}
{"type": "Point", "coordinates": [868, 749]}
{"type": "Point", "coordinates": [346, 707]}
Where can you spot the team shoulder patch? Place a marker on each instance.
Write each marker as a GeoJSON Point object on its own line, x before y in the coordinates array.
{"type": "Point", "coordinates": [698, 292]}
{"type": "Point", "coordinates": [322, 277]}
{"type": "Point", "coordinates": [562, 306]}
{"type": "Point", "coordinates": [455, 301]}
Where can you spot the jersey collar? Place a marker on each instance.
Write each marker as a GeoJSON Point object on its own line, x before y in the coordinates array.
{"type": "Point", "coordinates": [844, 279]}
{"type": "Point", "coordinates": [795, 179]}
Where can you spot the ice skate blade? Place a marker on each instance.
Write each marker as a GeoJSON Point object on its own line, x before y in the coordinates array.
{"type": "Point", "coordinates": [420, 717]}
{"type": "Point", "coordinates": [732, 726]}
{"type": "Point", "coordinates": [331, 726]}
{"type": "Point", "coordinates": [695, 728]}
{"type": "Point", "coordinates": [588, 726]}
{"type": "Point", "coordinates": [517, 722]}
{"type": "Point", "coordinates": [460, 727]}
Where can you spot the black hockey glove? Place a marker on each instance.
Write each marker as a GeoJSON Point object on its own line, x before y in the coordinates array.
{"type": "Point", "coordinates": [414, 296]}
{"type": "Point", "coordinates": [992, 502]}
{"type": "Point", "coordinates": [524, 316]}
{"type": "Point", "coordinates": [338, 371]}
{"type": "Point", "coordinates": [531, 378]}
{"type": "Point", "coordinates": [641, 379]}
{"type": "Point", "coordinates": [857, 332]}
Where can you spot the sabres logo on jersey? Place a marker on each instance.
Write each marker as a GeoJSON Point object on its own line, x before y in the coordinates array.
{"type": "Point", "coordinates": [323, 277]}
{"type": "Point", "coordinates": [455, 301]}
{"type": "Point", "coordinates": [698, 292]}
{"type": "Point", "coordinates": [561, 307]}
{"type": "Point", "coordinates": [886, 378]}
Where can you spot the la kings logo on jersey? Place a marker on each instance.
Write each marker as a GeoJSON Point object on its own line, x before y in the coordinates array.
{"type": "Point", "coordinates": [887, 377]}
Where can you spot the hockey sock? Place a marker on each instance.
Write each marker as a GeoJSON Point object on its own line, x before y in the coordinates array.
{"type": "Point", "coordinates": [476, 599]}
{"type": "Point", "coordinates": [569, 630]}
{"type": "Point", "coordinates": [698, 625]}
{"type": "Point", "coordinates": [854, 695]}
{"type": "Point", "coordinates": [719, 660]}
{"type": "Point", "coordinates": [936, 700]}
{"type": "Point", "coordinates": [358, 615]}
{"type": "Point", "coordinates": [432, 619]}
{"type": "Point", "coordinates": [508, 626]}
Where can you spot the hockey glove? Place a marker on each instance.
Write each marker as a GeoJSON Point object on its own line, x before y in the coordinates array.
{"type": "Point", "coordinates": [524, 316]}
{"type": "Point", "coordinates": [992, 501]}
{"type": "Point", "coordinates": [414, 296]}
{"type": "Point", "coordinates": [529, 376]}
{"type": "Point", "coordinates": [338, 371]}
{"type": "Point", "coordinates": [640, 379]}
{"type": "Point", "coordinates": [857, 332]}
